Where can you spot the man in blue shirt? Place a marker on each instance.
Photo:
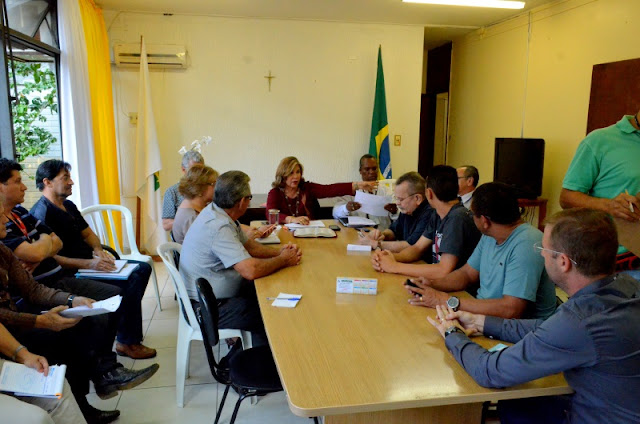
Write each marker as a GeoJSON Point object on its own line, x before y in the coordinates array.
{"type": "Point", "coordinates": [592, 337]}
{"type": "Point", "coordinates": [513, 282]}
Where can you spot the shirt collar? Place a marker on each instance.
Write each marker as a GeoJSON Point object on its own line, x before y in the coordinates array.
{"type": "Point", "coordinates": [595, 286]}
{"type": "Point", "coordinates": [217, 210]}
{"type": "Point", "coordinates": [625, 126]}
{"type": "Point", "coordinates": [466, 197]}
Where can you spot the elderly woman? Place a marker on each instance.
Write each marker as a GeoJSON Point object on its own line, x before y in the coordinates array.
{"type": "Point", "coordinates": [196, 186]}
{"type": "Point", "coordinates": [297, 199]}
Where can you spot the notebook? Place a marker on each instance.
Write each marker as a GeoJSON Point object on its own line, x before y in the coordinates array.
{"type": "Point", "coordinates": [119, 263]}
{"type": "Point", "coordinates": [25, 381]}
{"type": "Point", "coordinates": [124, 273]}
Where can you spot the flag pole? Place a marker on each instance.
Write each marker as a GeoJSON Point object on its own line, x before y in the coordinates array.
{"type": "Point", "coordinates": [138, 202]}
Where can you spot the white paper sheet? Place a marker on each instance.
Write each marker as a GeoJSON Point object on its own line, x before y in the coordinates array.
{"type": "Point", "coordinates": [286, 300]}
{"type": "Point", "coordinates": [372, 204]}
{"type": "Point", "coordinates": [358, 248]}
{"type": "Point", "coordinates": [102, 307]}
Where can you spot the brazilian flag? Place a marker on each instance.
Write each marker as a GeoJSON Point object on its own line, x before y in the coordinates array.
{"type": "Point", "coordinates": [379, 141]}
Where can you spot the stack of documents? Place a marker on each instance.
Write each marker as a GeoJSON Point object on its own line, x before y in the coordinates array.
{"type": "Point", "coordinates": [122, 272]}
{"type": "Point", "coordinates": [25, 381]}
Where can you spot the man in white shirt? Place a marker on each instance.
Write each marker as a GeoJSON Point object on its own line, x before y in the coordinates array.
{"type": "Point", "coordinates": [467, 182]}
{"type": "Point", "coordinates": [347, 205]}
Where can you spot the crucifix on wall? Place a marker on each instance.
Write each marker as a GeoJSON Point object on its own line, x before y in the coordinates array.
{"type": "Point", "coordinates": [269, 78]}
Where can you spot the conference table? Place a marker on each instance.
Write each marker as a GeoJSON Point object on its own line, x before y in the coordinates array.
{"type": "Point", "coordinates": [356, 358]}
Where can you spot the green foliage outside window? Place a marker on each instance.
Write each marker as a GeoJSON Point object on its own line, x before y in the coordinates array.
{"type": "Point", "coordinates": [37, 93]}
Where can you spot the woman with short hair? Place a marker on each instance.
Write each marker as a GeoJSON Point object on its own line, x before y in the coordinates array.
{"type": "Point", "coordinates": [197, 187]}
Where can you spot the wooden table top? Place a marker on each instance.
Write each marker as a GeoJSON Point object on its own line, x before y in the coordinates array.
{"type": "Point", "coordinates": [348, 353]}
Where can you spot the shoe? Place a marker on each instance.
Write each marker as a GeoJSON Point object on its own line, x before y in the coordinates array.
{"type": "Point", "coordinates": [96, 416]}
{"type": "Point", "coordinates": [121, 378]}
{"type": "Point", "coordinates": [135, 351]}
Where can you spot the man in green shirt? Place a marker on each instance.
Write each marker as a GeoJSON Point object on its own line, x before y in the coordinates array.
{"type": "Point", "coordinates": [605, 175]}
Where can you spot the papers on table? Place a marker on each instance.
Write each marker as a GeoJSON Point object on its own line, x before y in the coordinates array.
{"type": "Point", "coordinates": [124, 273]}
{"type": "Point", "coordinates": [120, 263]}
{"type": "Point", "coordinates": [286, 300]}
{"type": "Point", "coordinates": [359, 221]}
{"type": "Point", "coordinates": [270, 239]}
{"type": "Point", "coordinates": [98, 308]}
{"type": "Point", "coordinates": [25, 381]}
{"type": "Point", "coordinates": [312, 224]}
{"type": "Point", "coordinates": [358, 248]}
{"type": "Point", "coordinates": [372, 204]}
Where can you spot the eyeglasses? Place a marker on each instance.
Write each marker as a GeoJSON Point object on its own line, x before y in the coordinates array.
{"type": "Point", "coordinates": [249, 197]}
{"type": "Point", "coordinates": [402, 199]}
{"type": "Point", "coordinates": [538, 247]}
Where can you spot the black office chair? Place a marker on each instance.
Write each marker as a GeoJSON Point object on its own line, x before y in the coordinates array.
{"type": "Point", "coordinates": [251, 372]}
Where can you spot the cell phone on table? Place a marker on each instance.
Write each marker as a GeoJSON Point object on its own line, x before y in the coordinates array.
{"type": "Point", "coordinates": [334, 227]}
{"type": "Point", "coordinates": [412, 284]}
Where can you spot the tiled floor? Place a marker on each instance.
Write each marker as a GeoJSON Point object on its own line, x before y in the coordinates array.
{"type": "Point", "coordinates": [155, 400]}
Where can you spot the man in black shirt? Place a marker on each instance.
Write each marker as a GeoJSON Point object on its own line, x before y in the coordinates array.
{"type": "Point", "coordinates": [81, 249]}
{"type": "Point", "coordinates": [415, 212]}
{"type": "Point", "coordinates": [449, 237]}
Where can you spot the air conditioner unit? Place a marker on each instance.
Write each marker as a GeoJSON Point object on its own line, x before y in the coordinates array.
{"type": "Point", "coordinates": [158, 56]}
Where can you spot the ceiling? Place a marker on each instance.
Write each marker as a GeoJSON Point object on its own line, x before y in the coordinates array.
{"type": "Point", "coordinates": [442, 23]}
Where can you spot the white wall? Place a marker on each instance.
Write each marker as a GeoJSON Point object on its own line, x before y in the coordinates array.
{"type": "Point", "coordinates": [319, 108]}
{"type": "Point", "coordinates": [489, 80]}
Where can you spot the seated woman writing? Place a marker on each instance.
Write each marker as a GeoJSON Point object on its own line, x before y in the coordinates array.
{"type": "Point", "coordinates": [297, 199]}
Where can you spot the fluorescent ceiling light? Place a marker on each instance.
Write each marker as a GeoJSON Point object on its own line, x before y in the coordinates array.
{"type": "Point", "coordinates": [501, 4]}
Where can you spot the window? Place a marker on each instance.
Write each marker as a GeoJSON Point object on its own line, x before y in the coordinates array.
{"type": "Point", "coordinates": [29, 118]}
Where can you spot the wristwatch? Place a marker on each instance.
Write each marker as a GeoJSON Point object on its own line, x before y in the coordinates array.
{"type": "Point", "coordinates": [70, 300]}
{"type": "Point", "coordinates": [454, 303]}
{"type": "Point", "coordinates": [452, 329]}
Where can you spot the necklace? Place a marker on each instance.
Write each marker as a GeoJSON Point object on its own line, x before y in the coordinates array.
{"type": "Point", "coordinates": [289, 202]}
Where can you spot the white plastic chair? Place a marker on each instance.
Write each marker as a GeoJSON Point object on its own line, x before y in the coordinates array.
{"type": "Point", "coordinates": [188, 328]}
{"type": "Point", "coordinates": [95, 217]}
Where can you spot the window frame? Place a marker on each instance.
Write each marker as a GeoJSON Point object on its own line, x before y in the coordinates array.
{"type": "Point", "coordinates": [8, 36]}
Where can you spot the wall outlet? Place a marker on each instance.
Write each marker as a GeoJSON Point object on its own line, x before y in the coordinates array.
{"type": "Point", "coordinates": [397, 140]}
{"type": "Point", "coordinates": [133, 118]}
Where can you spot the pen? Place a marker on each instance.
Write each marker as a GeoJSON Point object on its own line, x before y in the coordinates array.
{"type": "Point", "coordinates": [630, 204]}
{"type": "Point", "coordinates": [283, 298]}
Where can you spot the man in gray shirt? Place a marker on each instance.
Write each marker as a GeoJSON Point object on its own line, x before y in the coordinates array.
{"type": "Point", "coordinates": [592, 338]}
{"type": "Point", "coordinates": [215, 248]}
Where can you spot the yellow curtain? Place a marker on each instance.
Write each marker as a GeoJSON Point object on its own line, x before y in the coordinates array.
{"type": "Point", "coordinates": [104, 136]}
